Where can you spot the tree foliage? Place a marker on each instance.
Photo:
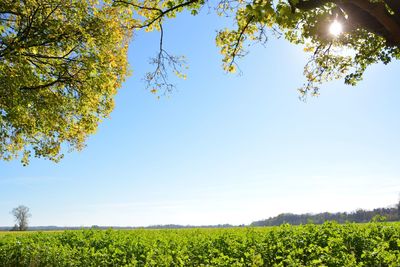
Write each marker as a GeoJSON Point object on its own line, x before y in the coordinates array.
{"type": "Point", "coordinates": [61, 62]}
{"type": "Point", "coordinates": [21, 215]}
{"type": "Point", "coordinates": [371, 31]}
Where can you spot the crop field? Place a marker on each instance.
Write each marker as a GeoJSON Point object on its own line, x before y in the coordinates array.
{"type": "Point", "coordinates": [330, 244]}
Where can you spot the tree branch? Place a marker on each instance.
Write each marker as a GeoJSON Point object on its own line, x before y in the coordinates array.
{"type": "Point", "coordinates": [161, 13]}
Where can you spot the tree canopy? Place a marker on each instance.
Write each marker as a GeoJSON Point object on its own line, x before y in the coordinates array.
{"type": "Point", "coordinates": [61, 62]}
{"type": "Point", "coordinates": [371, 31]}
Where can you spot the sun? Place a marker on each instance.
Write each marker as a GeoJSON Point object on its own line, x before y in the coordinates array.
{"type": "Point", "coordinates": [335, 28]}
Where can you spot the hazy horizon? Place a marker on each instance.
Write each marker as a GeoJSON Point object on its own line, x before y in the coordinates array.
{"type": "Point", "coordinates": [184, 225]}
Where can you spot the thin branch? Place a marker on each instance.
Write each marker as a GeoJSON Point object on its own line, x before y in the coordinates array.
{"type": "Point", "coordinates": [161, 13]}
{"type": "Point", "coordinates": [239, 40]}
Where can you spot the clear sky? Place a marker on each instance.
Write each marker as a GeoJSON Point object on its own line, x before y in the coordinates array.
{"type": "Point", "coordinates": [222, 148]}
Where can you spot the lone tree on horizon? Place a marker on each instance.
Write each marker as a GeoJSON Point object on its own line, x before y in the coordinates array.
{"type": "Point", "coordinates": [21, 214]}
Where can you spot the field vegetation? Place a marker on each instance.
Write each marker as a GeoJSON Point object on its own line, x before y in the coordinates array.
{"type": "Point", "coordinates": [329, 244]}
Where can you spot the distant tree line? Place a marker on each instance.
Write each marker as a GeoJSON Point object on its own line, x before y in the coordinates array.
{"type": "Point", "coordinates": [97, 227]}
{"type": "Point", "coordinates": [360, 216]}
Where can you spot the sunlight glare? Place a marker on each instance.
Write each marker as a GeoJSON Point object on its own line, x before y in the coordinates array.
{"type": "Point", "coordinates": [336, 28]}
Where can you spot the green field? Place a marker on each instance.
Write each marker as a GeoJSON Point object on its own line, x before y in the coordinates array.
{"type": "Point", "coordinates": [330, 244]}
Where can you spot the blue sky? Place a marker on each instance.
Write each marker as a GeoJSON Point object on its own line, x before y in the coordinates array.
{"type": "Point", "coordinates": [222, 148]}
